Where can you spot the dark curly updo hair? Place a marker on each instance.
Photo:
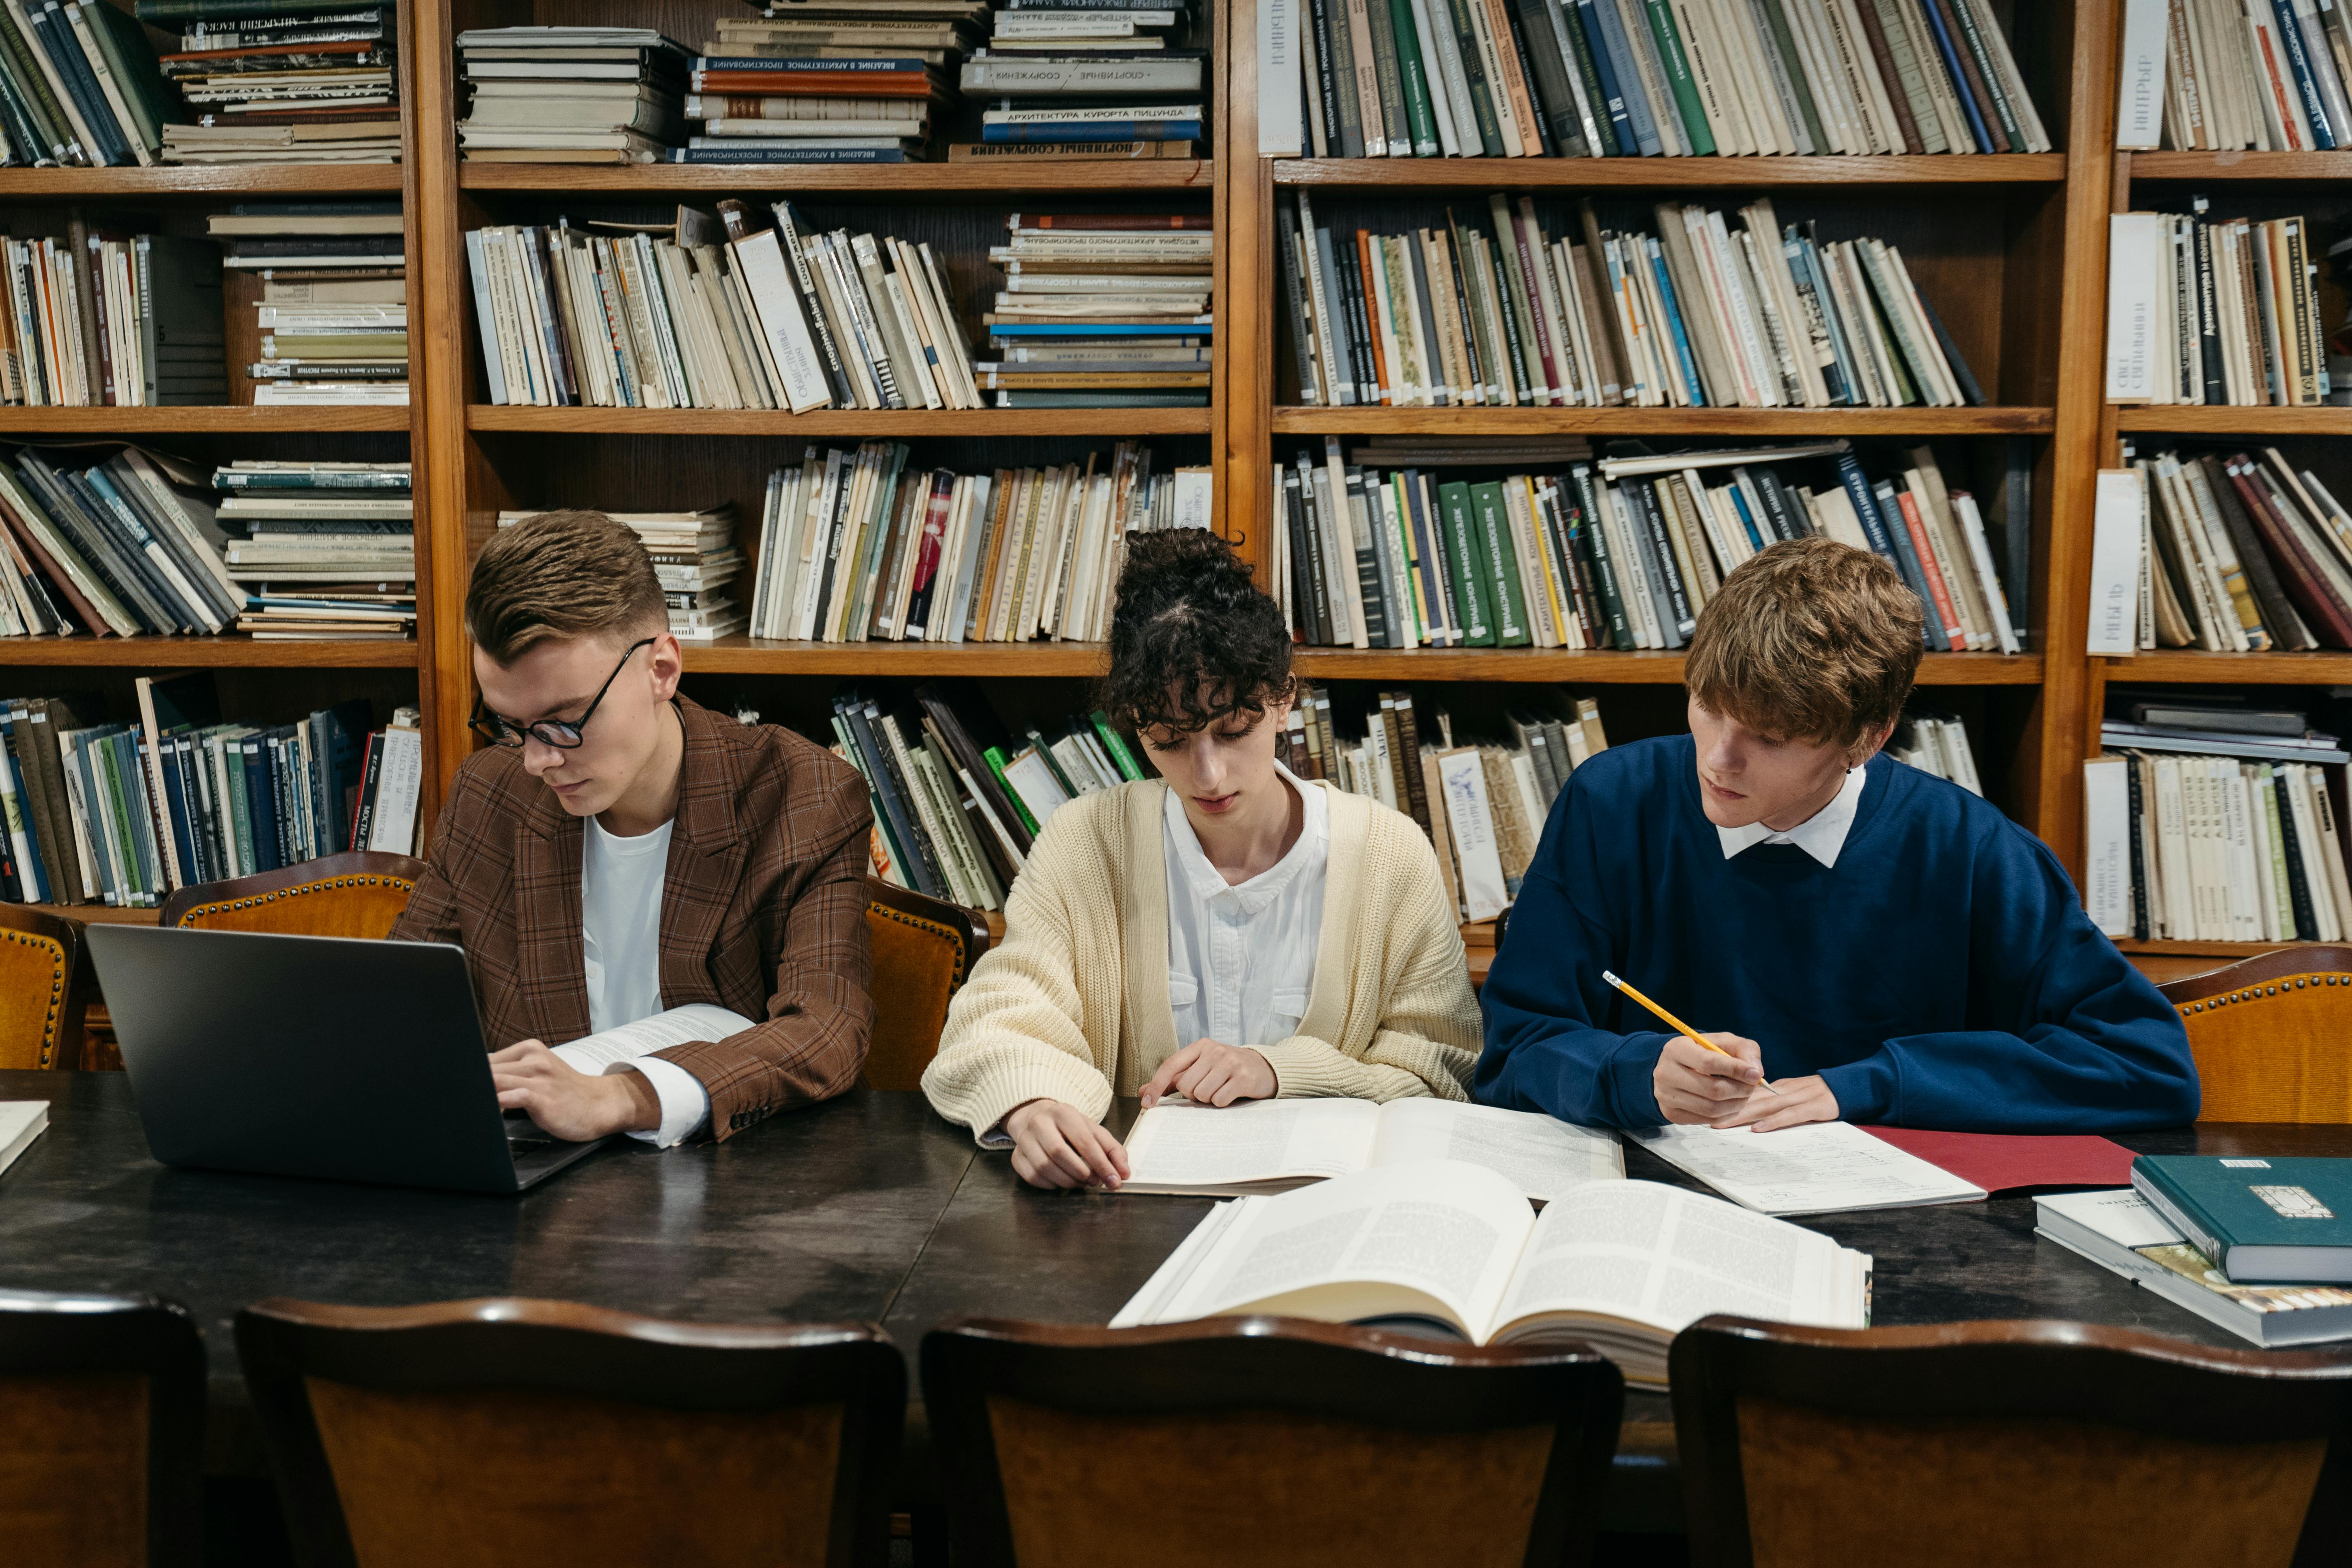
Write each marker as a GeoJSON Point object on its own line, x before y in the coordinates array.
{"type": "Point", "coordinates": [1192, 641]}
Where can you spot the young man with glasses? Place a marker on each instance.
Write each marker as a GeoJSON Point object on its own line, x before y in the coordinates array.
{"type": "Point", "coordinates": [621, 859]}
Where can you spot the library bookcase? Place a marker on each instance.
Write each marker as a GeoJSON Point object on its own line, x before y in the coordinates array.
{"type": "Point", "coordinates": [2011, 250]}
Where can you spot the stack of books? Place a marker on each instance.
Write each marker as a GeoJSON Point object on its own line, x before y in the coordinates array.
{"type": "Point", "coordinates": [695, 556]}
{"type": "Point", "coordinates": [126, 545]}
{"type": "Point", "coordinates": [1623, 554]}
{"type": "Point", "coordinates": [285, 81]}
{"type": "Point", "coordinates": [2214, 310]}
{"type": "Point", "coordinates": [332, 318]}
{"type": "Point", "coordinates": [125, 320]}
{"type": "Point", "coordinates": [1103, 310]}
{"type": "Point", "coordinates": [2240, 552]}
{"type": "Point", "coordinates": [1936, 743]}
{"type": "Point", "coordinates": [80, 86]}
{"type": "Point", "coordinates": [571, 95]}
{"type": "Point", "coordinates": [2258, 78]}
{"type": "Point", "coordinates": [2226, 818]}
{"type": "Point", "coordinates": [1080, 79]}
{"type": "Point", "coordinates": [842, 83]}
{"type": "Point", "coordinates": [857, 546]}
{"type": "Point", "coordinates": [328, 549]}
{"type": "Point", "coordinates": [1641, 78]}
{"type": "Point", "coordinates": [1708, 312]}
{"type": "Point", "coordinates": [710, 313]}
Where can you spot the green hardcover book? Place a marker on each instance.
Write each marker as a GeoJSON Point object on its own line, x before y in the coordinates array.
{"type": "Point", "coordinates": [1502, 562]}
{"type": "Point", "coordinates": [1591, 77]}
{"type": "Point", "coordinates": [1386, 76]}
{"type": "Point", "coordinates": [1793, 63]}
{"type": "Point", "coordinates": [240, 810]}
{"type": "Point", "coordinates": [2260, 1220]}
{"type": "Point", "coordinates": [1688, 107]}
{"type": "Point", "coordinates": [1470, 598]}
{"type": "Point", "coordinates": [995, 758]}
{"type": "Point", "coordinates": [1121, 758]}
{"type": "Point", "coordinates": [1482, 102]}
{"type": "Point", "coordinates": [1420, 118]}
{"type": "Point", "coordinates": [1604, 569]}
{"type": "Point", "coordinates": [137, 72]}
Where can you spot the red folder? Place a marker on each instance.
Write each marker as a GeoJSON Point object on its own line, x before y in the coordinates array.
{"type": "Point", "coordinates": [2008, 1162]}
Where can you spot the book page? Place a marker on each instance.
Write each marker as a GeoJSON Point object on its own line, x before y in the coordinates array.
{"type": "Point", "coordinates": [1188, 1148]}
{"type": "Point", "coordinates": [1545, 1157]}
{"type": "Point", "coordinates": [1660, 1256]}
{"type": "Point", "coordinates": [1437, 1229]}
{"type": "Point", "coordinates": [696, 1021]}
{"type": "Point", "coordinates": [1821, 1168]}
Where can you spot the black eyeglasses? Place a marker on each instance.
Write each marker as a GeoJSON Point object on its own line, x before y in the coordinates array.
{"type": "Point", "coordinates": [561, 733]}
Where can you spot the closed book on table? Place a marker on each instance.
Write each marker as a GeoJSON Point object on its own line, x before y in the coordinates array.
{"type": "Point", "coordinates": [2259, 1219]}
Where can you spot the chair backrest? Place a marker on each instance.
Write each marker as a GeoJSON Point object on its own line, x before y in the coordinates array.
{"type": "Point", "coordinates": [356, 894]}
{"type": "Point", "coordinates": [42, 971]}
{"type": "Point", "coordinates": [923, 950]}
{"type": "Point", "coordinates": [509, 1433]}
{"type": "Point", "coordinates": [2004, 1442]}
{"type": "Point", "coordinates": [1264, 1443]}
{"type": "Point", "coordinates": [102, 1431]}
{"type": "Point", "coordinates": [2272, 1036]}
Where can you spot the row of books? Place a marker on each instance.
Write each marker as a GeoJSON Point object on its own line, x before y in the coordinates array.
{"type": "Point", "coordinates": [695, 557]}
{"type": "Point", "coordinates": [1102, 310]}
{"type": "Point", "coordinates": [2234, 75]}
{"type": "Point", "coordinates": [80, 86]}
{"type": "Point", "coordinates": [1700, 315]}
{"type": "Point", "coordinates": [124, 813]}
{"type": "Point", "coordinates": [2200, 832]}
{"type": "Point", "coordinates": [571, 94]}
{"type": "Point", "coordinates": [2239, 551]}
{"type": "Point", "coordinates": [1508, 79]}
{"type": "Point", "coordinates": [282, 81]}
{"type": "Point", "coordinates": [95, 319]}
{"type": "Point", "coordinates": [1936, 745]}
{"type": "Point", "coordinates": [708, 312]}
{"type": "Point", "coordinates": [833, 83]}
{"type": "Point", "coordinates": [1623, 554]}
{"type": "Point", "coordinates": [1092, 80]}
{"type": "Point", "coordinates": [2214, 310]}
{"type": "Point", "coordinates": [332, 319]}
{"type": "Point", "coordinates": [863, 545]}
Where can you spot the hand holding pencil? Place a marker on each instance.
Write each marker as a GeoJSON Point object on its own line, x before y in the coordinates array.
{"type": "Point", "coordinates": [1705, 1090]}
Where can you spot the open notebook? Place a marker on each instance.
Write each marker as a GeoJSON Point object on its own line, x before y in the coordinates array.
{"type": "Point", "coordinates": [1273, 1145]}
{"type": "Point", "coordinates": [1621, 1265]}
{"type": "Point", "coordinates": [1823, 1167]}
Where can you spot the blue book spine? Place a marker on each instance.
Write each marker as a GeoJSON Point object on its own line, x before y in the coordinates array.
{"type": "Point", "coordinates": [1950, 51]}
{"type": "Point", "coordinates": [1645, 129]}
{"type": "Point", "coordinates": [1756, 530]}
{"type": "Point", "coordinates": [1805, 262]}
{"type": "Point", "coordinates": [2324, 136]}
{"type": "Point", "coordinates": [1589, 13]}
{"type": "Point", "coordinates": [50, 27]}
{"type": "Point", "coordinates": [1866, 509]}
{"type": "Point", "coordinates": [795, 156]}
{"type": "Point", "coordinates": [1095, 130]}
{"type": "Point", "coordinates": [175, 811]}
{"type": "Point", "coordinates": [1674, 324]}
{"type": "Point", "coordinates": [1907, 560]}
{"type": "Point", "coordinates": [261, 803]}
{"type": "Point", "coordinates": [32, 874]}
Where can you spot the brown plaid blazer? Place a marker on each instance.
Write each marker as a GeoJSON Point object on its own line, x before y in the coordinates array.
{"type": "Point", "coordinates": [763, 909]}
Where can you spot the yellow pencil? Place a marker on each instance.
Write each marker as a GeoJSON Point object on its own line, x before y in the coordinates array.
{"type": "Point", "coordinates": [1684, 1030]}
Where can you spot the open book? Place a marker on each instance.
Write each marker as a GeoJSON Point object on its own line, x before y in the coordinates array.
{"type": "Point", "coordinates": [1621, 1265]}
{"type": "Point", "coordinates": [1822, 1167]}
{"type": "Point", "coordinates": [1273, 1145]}
{"type": "Point", "coordinates": [613, 1048]}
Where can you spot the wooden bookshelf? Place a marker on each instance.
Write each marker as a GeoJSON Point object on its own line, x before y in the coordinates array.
{"type": "Point", "coordinates": [854, 424]}
{"type": "Point", "coordinates": [230, 650]}
{"type": "Point", "coordinates": [1756, 423]}
{"type": "Point", "coordinates": [1670, 174]}
{"type": "Point", "coordinates": [2192, 420]}
{"type": "Point", "coordinates": [2325, 667]}
{"type": "Point", "coordinates": [20, 424]}
{"type": "Point", "coordinates": [2268, 168]}
{"type": "Point", "coordinates": [879, 182]}
{"type": "Point", "coordinates": [173, 181]}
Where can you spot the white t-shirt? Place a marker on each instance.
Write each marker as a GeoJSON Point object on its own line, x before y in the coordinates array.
{"type": "Point", "coordinates": [620, 942]}
{"type": "Point", "coordinates": [1240, 959]}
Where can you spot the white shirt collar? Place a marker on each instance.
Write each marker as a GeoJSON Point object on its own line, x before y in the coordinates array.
{"type": "Point", "coordinates": [1821, 835]}
{"type": "Point", "coordinates": [1207, 882]}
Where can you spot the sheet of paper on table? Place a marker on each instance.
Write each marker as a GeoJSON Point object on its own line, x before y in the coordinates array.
{"type": "Point", "coordinates": [1825, 1167]}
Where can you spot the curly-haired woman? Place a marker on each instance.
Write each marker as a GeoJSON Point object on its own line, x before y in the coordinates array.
{"type": "Point", "coordinates": [1225, 932]}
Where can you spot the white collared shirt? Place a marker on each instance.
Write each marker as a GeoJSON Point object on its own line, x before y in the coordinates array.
{"type": "Point", "coordinates": [1240, 959]}
{"type": "Point", "coordinates": [1821, 835]}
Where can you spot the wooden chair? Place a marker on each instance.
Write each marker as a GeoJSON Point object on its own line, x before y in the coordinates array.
{"type": "Point", "coordinates": [43, 975]}
{"type": "Point", "coordinates": [355, 894]}
{"type": "Point", "coordinates": [510, 1433]}
{"type": "Point", "coordinates": [2273, 1036]}
{"type": "Point", "coordinates": [2005, 1442]}
{"type": "Point", "coordinates": [923, 950]}
{"type": "Point", "coordinates": [102, 1431]}
{"type": "Point", "coordinates": [1264, 1443]}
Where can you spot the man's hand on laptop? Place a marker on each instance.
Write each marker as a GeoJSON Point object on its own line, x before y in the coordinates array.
{"type": "Point", "coordinates": [568, 1103]}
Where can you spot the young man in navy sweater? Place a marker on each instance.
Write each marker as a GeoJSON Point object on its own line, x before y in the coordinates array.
{"type": "Point", "coordinates": [1883, 946]}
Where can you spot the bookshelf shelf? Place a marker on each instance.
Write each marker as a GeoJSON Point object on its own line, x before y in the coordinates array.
{"type": "Point", "coordinates": [1606, 667]}
{"type": "Point", "coordinates": [2223, 950]}
{"type": "Point", "coordinates": [2197, 667]}
{"type": "Point", "coordinates": [2242, 167]}
{"type": "Point", "coordinates": [258, 180]}
{"type": "Point", "coordinates": [102, 914]}
{"type": "Point", "coordinates": [762, 655]}
{"type": "Point", "coordinates": [230, 650]}
{"type": "Point", "coordinates": [1670, 174]}
{"type": "Point", "coordinates": [219, 421]}
{"type": "Point", "coordinates": [2193, 420]}
{"type": "Point", "coordinates": [882, 182]}
{"type": "Point", "coordinates": [879, 424]}
{"type": "Point", "coordinates": [1736, 422]}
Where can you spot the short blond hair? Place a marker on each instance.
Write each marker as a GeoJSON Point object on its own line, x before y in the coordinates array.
{"type": "Point", "coordinates": [1807, 640]}
{"type": "Point", "coordinates": [562, 574]}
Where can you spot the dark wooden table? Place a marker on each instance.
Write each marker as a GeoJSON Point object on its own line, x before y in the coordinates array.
{"type": "Point", "coordinates": [868, 1208]}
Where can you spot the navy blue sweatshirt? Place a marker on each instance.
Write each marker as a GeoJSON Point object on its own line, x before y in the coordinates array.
{"type": "Point", "coordinates": [1942, 975]}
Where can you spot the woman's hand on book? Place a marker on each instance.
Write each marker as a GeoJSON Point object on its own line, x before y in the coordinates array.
{"type": "Point", "coordinates": [567, 1103]}
{"type": "Point", "coordinates": [1210, 1072]}
{"type": "Point", "coordinates": [1793, 1103]}
{"type": "Point", "coordinates": [1696, 1086]}
{"type": "Point", "coordinates": [1057, 1145]}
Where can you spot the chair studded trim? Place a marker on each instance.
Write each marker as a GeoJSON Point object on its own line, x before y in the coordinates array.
{"type": "Point", "coordinates": [934, 928]}
{"type": "Point", "coordinates": [51, 1025]}
{"type": "Point", "coordinates": [327, 885]}
{"type": "Point", "coordinates": [2285, 984]}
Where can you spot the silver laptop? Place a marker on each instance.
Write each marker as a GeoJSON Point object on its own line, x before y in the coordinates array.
{"type": "Point", "coordinates": [308, 1055]}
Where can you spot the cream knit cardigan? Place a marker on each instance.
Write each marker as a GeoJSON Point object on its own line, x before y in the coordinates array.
{"type": "Point", "coordinates": [1073, 1005]}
